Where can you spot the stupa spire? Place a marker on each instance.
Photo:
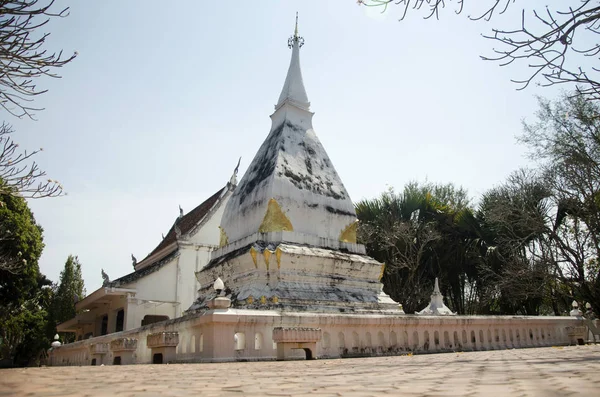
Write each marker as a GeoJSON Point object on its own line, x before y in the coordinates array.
{"type": "Point", "coordinates": [293, 91]}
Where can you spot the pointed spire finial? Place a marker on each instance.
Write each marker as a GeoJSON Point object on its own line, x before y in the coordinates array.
{"type": "Point", "coordinates": [296, 29]}
{"type": "Point", "coordinates": [295, 38]}
{"type": "Point", "coordinates": [293, 89]}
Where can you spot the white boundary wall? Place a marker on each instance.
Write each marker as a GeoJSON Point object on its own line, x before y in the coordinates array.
{"type": "Point", "coordinates": [247, 335]}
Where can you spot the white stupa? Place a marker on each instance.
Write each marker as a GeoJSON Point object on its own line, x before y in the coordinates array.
{"type": "Point", "coordinates": [436, 306]}
{"type": "Point", "coordinates": [288, 233]}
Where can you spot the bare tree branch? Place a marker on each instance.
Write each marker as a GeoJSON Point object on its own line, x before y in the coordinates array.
{"type": "Point", "coordinates": [546, 39]}
{"type": "Point", "coordinates": [19, 176]}
{"type": "Point", "coordinates": [22, 56]}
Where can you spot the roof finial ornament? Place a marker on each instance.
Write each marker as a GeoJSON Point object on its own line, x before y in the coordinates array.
{"type": "Point", "coordinates": [295, 38]}
{"type": "Point", "coordinates": [180, 212]}
{"type": "Point", "coordinates": [105, 279]}
{"type": "Point", "coordinates": [233, 180]}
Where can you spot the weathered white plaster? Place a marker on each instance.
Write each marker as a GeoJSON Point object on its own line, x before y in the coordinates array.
{"type": "Point", "coordinates": [293, 168]}
{"type": "Point", "coordinates": [210, 336]}
{"type": "Point", "coordinates": [298, 277]}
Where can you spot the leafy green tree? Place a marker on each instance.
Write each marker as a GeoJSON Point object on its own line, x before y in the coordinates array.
{"type": "Point", "coordinates": [23, 293]}
{"type": "Point", "coordinates": [565, 143]}
{"type": "Point", "coordinates": [406, 232]}
{"type": "Point", "coordinates": [518, 259]}
{"type": "Point", "coordinates": [69, 291]}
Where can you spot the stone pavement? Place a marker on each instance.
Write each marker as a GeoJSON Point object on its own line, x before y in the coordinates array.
{"type": "Point", "coordinates": [556, 371]}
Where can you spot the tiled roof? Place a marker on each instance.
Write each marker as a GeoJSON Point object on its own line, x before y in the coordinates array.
{"type": "Point", "coordinates": [131, 277]}
{"type": "Point", "coordinates": [188, 221]}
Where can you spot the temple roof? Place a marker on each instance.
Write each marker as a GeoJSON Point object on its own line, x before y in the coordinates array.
{"type": "Point", "coordinates": [291, 185]}
{"type": "Point", "coordinates": [185, 224]}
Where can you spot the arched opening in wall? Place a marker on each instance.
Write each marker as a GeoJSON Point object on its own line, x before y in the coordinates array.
{"type": "Point", "coordinates": [120, 321]}
{"type": "Point", "coordinates": [151, 319]}
{"type": "Point", "coordinates": [415, 340]}
{"type": "Point", "coordinates": [393, 340]}
{"type": "Point", "coordinates": [182, 346]}
{"type": "Point", "coordinates": [537, 334]}
{"type": "Point", "coordinates": [518, 336]}
{"type": "Point", "coordinates": [117, 360]}
{"type": "Point", "coordinates": [104, 325]}
{"type": "Point", "coordinates": [436, 339]}
{"type": "Point", "coordinates": [496, 335]}
{"type": "Point", "coordinates": [503, 336]}
{"type": "Point", "coordinates": [326, 342]}
{"type": "Point", "coordinates": [201, 343]}
{"type": "Point", "coordinates": [464, 337]}
{"type": "Point", "coordinates": [93, 361]}
{"type": "Point", "coordinates": [405, 343]}
{"type": "Point", "coordinates": [355, 341]}
{"type": "Point", "coordinates": [473, 339]}
{"type": "Point", "coordinates": [193, 344]}
{"type": "Point", "coordinates": [258, 341]}
{"type": "Point", "coordinates": [157, 358]}
{"type": "Point", "coordinates": [426, 340]}
{"type": "Point", "coordinates": [481, 337]}
{"type": "Point", "coordinates": [510, 336]}
{"type": "Point", "coordinates": [489, 335]}
{"type": "Point", "coordinates": [368, 342]}
{"type": "Point", "coordinates": [309, 355]}
{"type": "Point", "coordinates": [447, 344]}
{"type": "Point", "coordinates": [239, 340]}
{"type": "Point", "coordinates": [381, 340]}
{"type": "Point", "coordinates": [530, 334]}
{"type": "Point", "coordinates": [456, 342]}
{"type": "Point", "coordinates": [341, 340]}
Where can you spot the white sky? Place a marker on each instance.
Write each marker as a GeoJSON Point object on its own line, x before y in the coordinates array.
{"type": "Point", "coordinates": [164, 97]}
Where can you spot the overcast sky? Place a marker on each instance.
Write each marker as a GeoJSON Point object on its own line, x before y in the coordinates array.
{"type": "Point", "coordinates": [165, 96]}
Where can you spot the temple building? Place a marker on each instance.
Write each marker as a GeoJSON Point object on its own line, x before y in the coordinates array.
{"type": "Point", "coordinates": [162, 285]}
{"type": "Point", "coordinates": [270, 268]}
{"type": "Point", "coordinates": [284, 237]}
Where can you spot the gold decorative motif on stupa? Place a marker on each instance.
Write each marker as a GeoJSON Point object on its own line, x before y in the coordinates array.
{"type": "Point", "coordinates": [275, 220]}
{"type": "Point", "coordinates": [381, 271]}
{"type": "Point", "coordinates": [267, 255]}
{"type": "Point", "coordinates": [348, 235]}
{"type": "Point", "coordinates": [253, 254]}
{"type": "Point", "coordinates": [223, 240]}
{"type": "Point", "coordinates": [278, 256]}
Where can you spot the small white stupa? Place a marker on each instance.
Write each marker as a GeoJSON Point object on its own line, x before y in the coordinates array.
{"type": "Point", "coordinates": [436, 306]}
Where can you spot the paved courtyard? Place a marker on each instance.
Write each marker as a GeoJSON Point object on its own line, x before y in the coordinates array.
{"type": "Point", "coordinates": [558, 371]}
